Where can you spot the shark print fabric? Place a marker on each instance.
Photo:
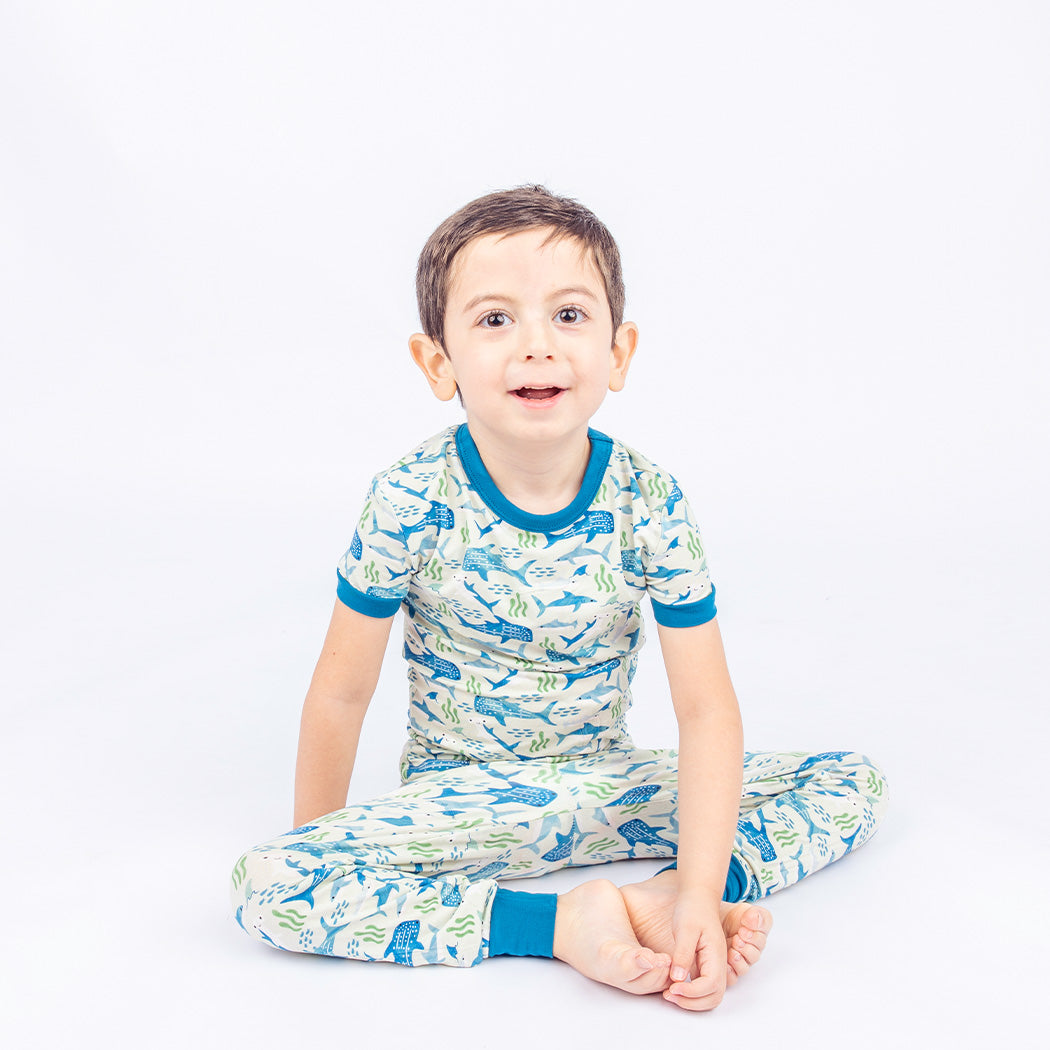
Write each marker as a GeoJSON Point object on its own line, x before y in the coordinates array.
{"type": "Point", "coordinates": [410, 877]}
{"type": "Point", "coordinates": [521, 637]}
{"type": "Point", "coordinates": [522, 630]}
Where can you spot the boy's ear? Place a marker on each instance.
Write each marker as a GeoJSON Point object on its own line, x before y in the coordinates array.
{"type": "Point", "coordinates": [623, 348]}
{"type": "Point", "coordinates": [434, 364]}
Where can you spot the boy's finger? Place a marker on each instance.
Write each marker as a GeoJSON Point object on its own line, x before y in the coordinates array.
{"type": "Point", "coordinates": [686, 1002]}
{"type": "Point", "coordinates": [706, 961]}
{"type": "Point", "coordinates": [684, 957]}
{"type": "Point", "coordinates": [703, 993]}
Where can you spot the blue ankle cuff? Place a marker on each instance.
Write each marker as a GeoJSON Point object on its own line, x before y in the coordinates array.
{"type": "Point", "coordinates": [522, 923]}
{"type": "Point", "coordinates": [736, 880]}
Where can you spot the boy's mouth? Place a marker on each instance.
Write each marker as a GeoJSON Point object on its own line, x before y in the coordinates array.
{"type": "Point", "coordinates": [537, 393]}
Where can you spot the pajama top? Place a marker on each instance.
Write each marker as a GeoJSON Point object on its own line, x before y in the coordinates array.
{"type": "Point", "coordinates": [522, 630]}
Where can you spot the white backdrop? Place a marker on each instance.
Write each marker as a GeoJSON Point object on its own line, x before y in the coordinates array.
{"type": "Point", "coordinates": [836, 239]}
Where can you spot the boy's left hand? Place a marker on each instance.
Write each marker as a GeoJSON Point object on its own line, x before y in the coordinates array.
{"type": "Point", "coordinates": [699, 952]}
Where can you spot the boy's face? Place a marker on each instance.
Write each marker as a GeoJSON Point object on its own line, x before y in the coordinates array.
{"type": "Point", "coordinates": [529, 339]}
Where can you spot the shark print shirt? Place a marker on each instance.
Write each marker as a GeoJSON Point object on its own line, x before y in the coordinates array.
{"type": "Point", "coordinates": [522, 631]}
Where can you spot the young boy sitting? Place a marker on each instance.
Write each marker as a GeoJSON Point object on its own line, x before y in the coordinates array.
{"type": "Point", "coordinates": [520, 545]}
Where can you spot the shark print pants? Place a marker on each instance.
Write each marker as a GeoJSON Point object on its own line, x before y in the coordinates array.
{"type": "Point", "coordinates": [410, 877]}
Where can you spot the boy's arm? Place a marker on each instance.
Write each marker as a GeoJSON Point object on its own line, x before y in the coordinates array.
{"type": "Point", "coordinates": [710, 779]}
{"type": "Point", "coordinates": [334, 710]}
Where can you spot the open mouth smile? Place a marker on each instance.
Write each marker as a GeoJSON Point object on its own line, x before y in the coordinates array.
{"type": "Point", "coordinates": [538, 393]}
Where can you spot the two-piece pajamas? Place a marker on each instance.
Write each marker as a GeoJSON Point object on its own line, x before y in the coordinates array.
{"type": "Point", "coordinates": [521, 634]}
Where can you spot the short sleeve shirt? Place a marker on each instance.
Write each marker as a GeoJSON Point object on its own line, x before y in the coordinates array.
{"type": "Point", "coordinates": [522, 630]}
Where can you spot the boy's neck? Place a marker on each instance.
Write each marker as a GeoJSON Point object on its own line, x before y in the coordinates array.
{"type": "Point", "coordinates": [540, 478]}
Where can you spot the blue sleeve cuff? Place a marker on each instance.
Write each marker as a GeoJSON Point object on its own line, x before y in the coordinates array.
{"type": "Point", "coordinates": [369, 604]}
{"type": "Point", "coordinates": [691, 615]}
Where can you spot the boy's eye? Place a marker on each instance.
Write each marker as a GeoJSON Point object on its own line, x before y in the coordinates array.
{"type": "Point", "coordinates": [570, 315]}
{"type": "Point", "coordinates": [496, 319]}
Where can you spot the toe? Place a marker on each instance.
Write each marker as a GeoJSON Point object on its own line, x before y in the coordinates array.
{"type": "Point", "coordinates": [647, 971]}
{"type": "Point", "coordinates": [754, 938]}
{"type": "Point", "coordinates": [757, 919]}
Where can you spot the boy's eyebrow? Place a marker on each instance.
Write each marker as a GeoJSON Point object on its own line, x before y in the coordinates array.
{"type": "Point", "coordinates": [578, 291]}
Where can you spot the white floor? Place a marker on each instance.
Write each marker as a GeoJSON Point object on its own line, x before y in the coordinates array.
{"type": "Point", "coordinates": [154, 741]}
{"type": "Point", "coordinates": [834, 223]}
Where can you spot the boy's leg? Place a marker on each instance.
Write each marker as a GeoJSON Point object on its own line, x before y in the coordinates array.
{"type": "Point", "coordinates": [801, 811]}
{"type": "Point", "coordinates": [410, 876]}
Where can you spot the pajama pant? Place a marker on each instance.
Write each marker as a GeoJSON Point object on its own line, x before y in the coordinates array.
{"type": "Point", "coordinates": [410, 877]}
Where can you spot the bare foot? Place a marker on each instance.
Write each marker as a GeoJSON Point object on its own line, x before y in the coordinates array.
{"type": "Point", "coordinates": [650, 905]}
{"type": "Point", "coordinates": [592, 933]}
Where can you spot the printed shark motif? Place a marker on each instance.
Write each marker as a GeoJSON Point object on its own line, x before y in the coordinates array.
{"type": "Point", "coordinates": [593, 523]}
{"type": "Point", "coordinates": [450, 895]}
{"type": "Point", "coordinates": [494, 686]}
{"type": "Point", "coordinates": [514, 794]}
{"type": "Point", "coordinates": [501, 710]}
{"type": "Point", "coordinates": [824, 756]}
{"type": "Point", "coordinates": [664, 572]}
{"type": "Point", "coordinates": [434, 765]}
{"type": "Point", "coordinates": [307, 895]}
{"type": "Point", "coordinates": [420, 494]}
{"type": "Point", "coordinates": [404, 942]}
{"type": "Point", "coordinates": [642, 793]}
{"type": "Point", "coordinates": [582, 551]}
{"type": "Point", "coordinates": [512, 748]}
{"type": "Point", "coordinates": [385, 592]}
{"type": "Point", "coordinates": [565, 844]}
{"type": "Point", "coordinates": [571, 640]}
{"type": "Point", "coordinates": [320, 849]}
{"type": "Point", "coordinates": [499, 627]}
{"type": "Point", "coordinates": [606, 667]}
{"type": "Point", "coordinates": [426, 710]}
{"type": "Point", "coordinates": [556, 657]}
{"type": "Point", "coordinates": [438, 514]}
{"type": "Point", "coordinates": [673, 500]}
{"type": "Point", "coordinates": [383, 893]}
{"type": "Point", "coordinates": [327, 946]}
{"type": "Point", "coordinates": [484, 560]}
{"type": "Point", "coordinates": [521, 795]}
{"type": "Point", "coordinates": [355, 546]}
{"type": "Point", "coordinates": [758, 838]}
{"type": "Point", "coordinates": [438, 667]}
{"type": "Point", "coordinates": [636, 831]}
{"type": "Point", "coordinates": [631, 562]}
{"type": "Point", "coordinates": [297, 868]}
{"type": "Point", "coordinates": [590, 729]}
{"type": "Point", "coordinates": [489, 870]}
{"type": "Point", "coordinates": [863, 829]}
{"type": "Point", "coordinates": [568, 600]}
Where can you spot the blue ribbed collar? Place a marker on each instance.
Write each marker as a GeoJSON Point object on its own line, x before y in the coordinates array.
{"type": "Point", "coordinates": [601, 450]}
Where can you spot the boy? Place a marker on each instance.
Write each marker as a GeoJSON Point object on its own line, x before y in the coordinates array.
{"type": "Point", "coordinates": [519, 545]}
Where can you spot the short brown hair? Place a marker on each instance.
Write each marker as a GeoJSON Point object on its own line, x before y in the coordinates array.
{"type": "Point", "coordinates": [508, 211]}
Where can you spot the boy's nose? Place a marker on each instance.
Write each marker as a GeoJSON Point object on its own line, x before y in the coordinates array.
{"type": "Point", "coordinates": [537, 342]}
